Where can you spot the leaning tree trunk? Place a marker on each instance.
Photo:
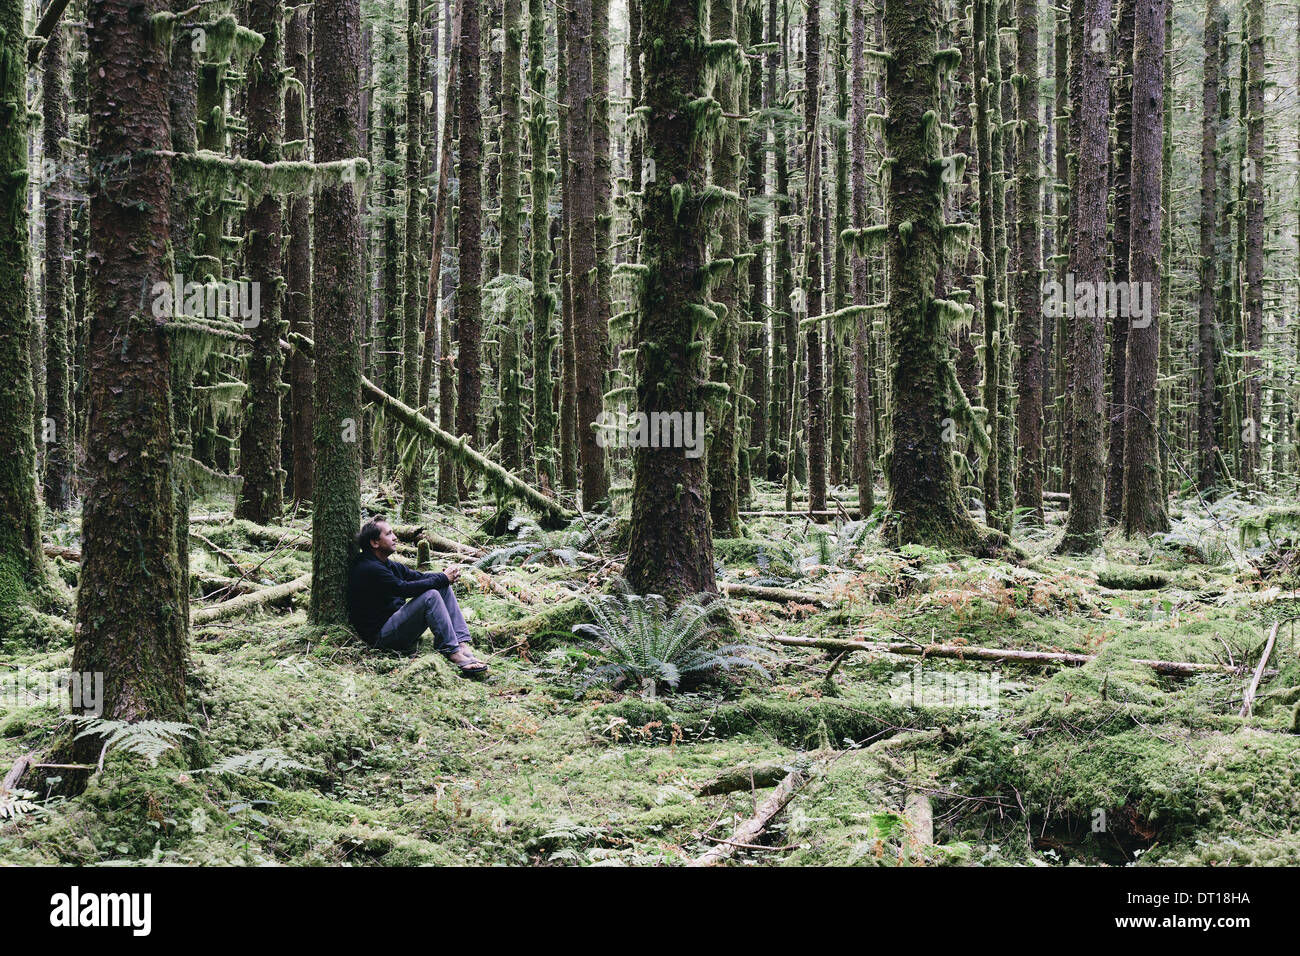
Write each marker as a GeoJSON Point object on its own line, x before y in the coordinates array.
{"type": "Point", "coordinates": [57, 433]}
{"type": "Point", "coordinates": [336, 308]}
{"type": "Point", "coordinates": [22, 563]}
{"type": "Point", "coordinates": [672, 557]}
{"type": "Point", "coordinates": [1207, 448]}
{"type": "Point", "coordinates": [261, 495]}
{"type": "Point", "coordinates": [130, 624]}
{"type": "Point", "coordinates": [1144, 494]}
{"type": "Point", "coordinates": [923, 499]}
{"type": "Point", "coordinates": [1086, 399]}
{"type": "Point", "coordinates": [1029, 276]}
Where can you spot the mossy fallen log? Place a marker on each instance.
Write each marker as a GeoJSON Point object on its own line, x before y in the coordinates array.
{"type": "Point", "coordinates": [533, 631]}
{"type": "Point", "coordinates": [758, 776]}
{"type": "Point", "coordinates": [776, 595]}
{"type": "Point", "coordinates": [244, 602]}
{"type": "Point", "coordinates": [974, 652]}
{"type": "Point", "coordinates": [497, 477]}
{"type": "Point", "coordinates": [745, 834]}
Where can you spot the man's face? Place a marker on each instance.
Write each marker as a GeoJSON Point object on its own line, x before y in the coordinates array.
{"type": "Point", "coordinates": [386, 543]}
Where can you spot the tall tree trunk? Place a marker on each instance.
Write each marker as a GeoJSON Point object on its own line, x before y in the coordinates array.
{"type": "Point", "coordinates": [864, 470]}
{"type": "Point", "coordinates": [728, 162]}
{"type": "Point", "coordinates": [985, 14]}
{"type": "Point", "coordinates": [539, 130]}
{"type": "Point", "coordinates": [261, 495]}
{"type": "Point", "coordinates": [57, 432]}
{"type": "Point", "coordinates": [1207, 449]}
{"type": "Point", "coordinates": [1253, 305]}
{"type": "Point", "coordinates": [130, 625]}
{"type": "Point", "coordinates": [297, 300]}
{"type": "Point", "coordinates": [413, 467]}
{"type": "Point", "coordinates": [336, 308]}
{"type": "Point", "coordinates": [568, 356]}
{"type": "Point", "coordinates": [923, 498]}
{"type": "Point", "coordinates": [1117, 413]}
{"type": "Point", "coordinates": [1087, 395]}
{"type": "Point", "coordinates": [675, 557]}
{"type": "Point", "coordinates": [1144, 497]}
{"type": "Point", "coordinates": [469, 219]}
{"type": "Point", "coordinates": [22, 564]}
{"type": "Point", "coordinates": [812, 278]}
{"type": "Point", "coordinates": [588, 338]}
{"type": "Point", "coordinates": [1029, 301]}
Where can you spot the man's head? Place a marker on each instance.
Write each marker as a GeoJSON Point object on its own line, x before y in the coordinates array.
{"type": "Point", "coordinates": [376, 537]}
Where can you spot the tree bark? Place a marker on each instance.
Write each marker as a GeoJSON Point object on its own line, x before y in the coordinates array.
{"type": "Point", "coordinates": [297, 300]}
{"type": "Point", "coordinates": [1207, 448]}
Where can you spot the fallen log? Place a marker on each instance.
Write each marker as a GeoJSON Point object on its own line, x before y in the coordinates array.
{"type": "Point", "coordinates": [920, 814]}
{"type": "Point", "coordinates": [971, 652]}
{"type": "Point", "coordinates": [1259, 671]}
{"type": "Point", "coordinates": [413, 534]}
{"type": "Point", "coordinates": [752, 828]}
{"type": "Point", "coordinates": [757, 776]}
{"type": "Point", "coordinates": [496, 476]}
{"type": "Point", "coordinates": [16, 772]}
{"type": "Point", "coordinates": [776, 595]}
{"type": "Point", "coordinates": [68, 554]}
{"type": "Point", "coordinates": [226, 609]}
{"type": "Point", "coordinates": [853, 513]}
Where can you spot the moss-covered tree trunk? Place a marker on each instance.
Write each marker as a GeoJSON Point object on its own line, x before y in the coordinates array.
{"type": "Point", "coordinates": [839, 372]}
{"type": "Point", "coordinates": [1144, 494]}
{"type": "Point", "coordinates": [57, 433]}
{"type": "Point", "coordinates": [131, 625]}
{"type": "Point", "coordinates": [1253, 285]}
{"type": "Point", "coordinates": [588, 337]}
{"type": "Point", "coordinates": [672, 557]}
{"type": "Point", "coordinates": [1207, 357]}
{"type": "Point", "coordinates": [412, 300]}
{"type": "Point", "coordinates": [813, 279]}
{"type": "Point", "coordinates": [1122, 97]}
{"type": "Point", "coordinates": [864, 471]}
{"type": "Point", "coordinates": [261, 495]}
{"type": "Point", "coordinates": [602, 190]}
{"type": "Point", "coordinates": [923, 498]}
{"type": "Point", "coordinates": [1029, 275]}
{"type": "Point", "coordinates": [1086, 417]}
{"type": "Point", "coordinates": [539, 138]}
{"type": "Point", "coordinates": [990, 307]}
{"type": "Point", "coordinates": [336, 308]}
{"type": "Point", "coordinates": [785, 327]}
{"type": "Point", "coordinates": [758, 377]}
{"type": "Point", "coordinates": [297, 298]}
{"type": "Point", "coordinates": [568, 353]}
{"type": "Point", "coordinates": [511, 54]}
{"type": "Point", "coordinates": [469, 219]}
{"type": "Point", "coordinates": [726, 369]}
{"type": "Point", "coordinates": [22, 565]}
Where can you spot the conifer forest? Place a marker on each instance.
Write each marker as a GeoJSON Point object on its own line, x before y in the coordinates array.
{"type": "Point", "coordinates": [853, 432]}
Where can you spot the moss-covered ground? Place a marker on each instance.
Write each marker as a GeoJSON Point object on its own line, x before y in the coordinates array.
{"type": "Point", "coordinates": [376, 759]}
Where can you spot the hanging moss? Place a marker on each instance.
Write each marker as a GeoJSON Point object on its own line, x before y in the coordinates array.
{"type": "Point", "coordinates": [209, 174]}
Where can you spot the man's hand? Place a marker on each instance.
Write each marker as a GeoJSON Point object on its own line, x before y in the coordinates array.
{"type": "Point", "coordinates": [453, 573]}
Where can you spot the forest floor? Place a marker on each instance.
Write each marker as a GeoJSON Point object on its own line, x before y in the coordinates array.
{"type": "Point", "coordinates": [318, 750]}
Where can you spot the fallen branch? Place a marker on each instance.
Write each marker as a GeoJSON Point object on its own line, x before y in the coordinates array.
{"type": "Point", "coordinates": [16, 772]}
{"type": "Point", "coordinates": [777, 595]}
{"type": "Point", "coordinates": [752, 828]}
{"type": "Point", "coordinates": [852, 513]}
{"type": "Point", "coordinates": [256, 599]}
{"type": "Point", "coordinates": [1171, 668]}
{"type": "Point", "coordinates": [496, 476]}
{"type": "Point", "coordinates": [1259, 671]}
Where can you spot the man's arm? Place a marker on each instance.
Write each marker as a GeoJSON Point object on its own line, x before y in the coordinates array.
{"type": "Point", "coordinates": [408, 578]}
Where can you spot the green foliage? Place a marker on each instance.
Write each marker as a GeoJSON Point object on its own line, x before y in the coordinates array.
{"type": "Point", "coordinates": [639, 639]}
{"type": "Point", "coordinates": [146, 738]}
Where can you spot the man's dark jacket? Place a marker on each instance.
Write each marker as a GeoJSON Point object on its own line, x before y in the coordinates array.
{"type": "Point", "coordinates": [377, 589]}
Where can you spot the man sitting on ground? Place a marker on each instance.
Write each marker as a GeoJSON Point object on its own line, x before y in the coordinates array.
{"type": "Point", "coordinates": [377, 600]}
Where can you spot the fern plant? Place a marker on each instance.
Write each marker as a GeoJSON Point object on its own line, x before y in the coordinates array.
{"type": "Point", "coordinates": [266, 760]}
{"type": "Point", "coordinates": [147, 738]}
{"type": "Point", "coordinates": [639, 639]}
{"type": "Point", "coordinates": [18, 803]}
